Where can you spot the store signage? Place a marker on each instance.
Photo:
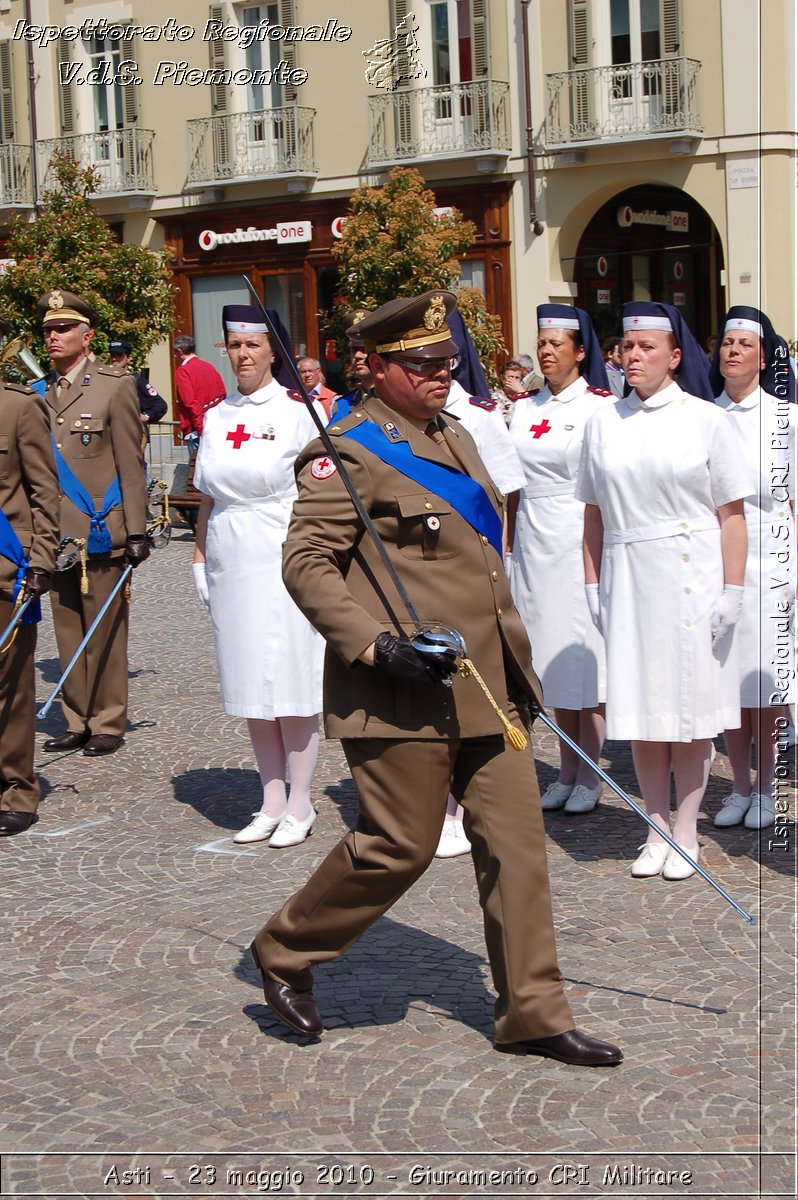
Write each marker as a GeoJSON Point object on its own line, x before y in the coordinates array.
{"type": "Point", "coordinates": [602, 266]}
{"type": "Point", "coordinates": [679, 299]}
{"type": "Point", "coordinates": [6, 264]}
{"type": "Point", "coordinates": [676, 222]}
{"type": "Point", "coordinates": [337, 226]}
{"type": "Point", "coordinates": [603, 295]}
{"type": "Point", "coordinates": [283, 231]}
{"type": "Point", "coordinates": [678, 269]}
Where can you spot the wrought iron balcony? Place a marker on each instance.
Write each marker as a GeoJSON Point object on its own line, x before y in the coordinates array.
{"type": "Point", "coordinates": [632, 101]}
{"type": "Point", "coordinates": [122, 158]}
{"type": "Point", "coordinates": [241, 147]}
{"type": "Point", "coordinates": [16, 181]}
{"type": "Point", "coordinates": [466, 119]}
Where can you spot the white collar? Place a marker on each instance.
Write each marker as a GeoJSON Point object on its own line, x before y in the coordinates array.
{"type": "Point", "coordinates": [261, 396]}
{"type": "Point", "coordinates": [658, 400]}
{"type": "Point", "coordinates": [577, 388]}
{"type": "Point", "coordinates": [749, 402]}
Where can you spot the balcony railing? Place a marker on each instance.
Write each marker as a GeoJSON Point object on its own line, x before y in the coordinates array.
{"type": "Point", "coordinates": [16, 181]}
{"type": "Point", "coordinates": [241, 147]}
{"type": "Point", "coordinates": [122, 158]}
{"type": "Point", "coordinates": [439, 122]}
{"type": "Point", "coordinates": [633, 100]}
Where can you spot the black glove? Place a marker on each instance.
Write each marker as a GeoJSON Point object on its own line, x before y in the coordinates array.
{"type": "Point", "coordinates": [37, 582]}
{"type": "Point", "coordinates": [397, 656]}
{"type": "Point", "coordinates": [137, 549]}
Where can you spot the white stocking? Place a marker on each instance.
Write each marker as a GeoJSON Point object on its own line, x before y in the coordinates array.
{"type": "Point", "coordinates": [300, 736]}
{"type": "Point", "coordinates": [270, 757]}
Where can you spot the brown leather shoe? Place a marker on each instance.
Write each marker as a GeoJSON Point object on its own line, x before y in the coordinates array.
{"type": "Point", "coordinates": [102, 743]}
{"type": "Point", "coordinates": [15, 822]}
{"type": "Point", "coordinates": [67, 741]}
{"type": "Point", "coordinates": [573, 1047]}
{"type": "Point", "coordinates": [297, 1009]}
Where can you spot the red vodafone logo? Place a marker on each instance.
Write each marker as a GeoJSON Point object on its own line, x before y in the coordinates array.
{"type": "Point", "coordinates": [208, 239]}
{"type": "Point", "coordinates": [337, 226]}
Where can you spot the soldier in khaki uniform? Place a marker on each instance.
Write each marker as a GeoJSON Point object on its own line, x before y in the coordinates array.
{"type": "Point", "coordinates": [94, 416]}
{"type": "Point", "coordinates": [407, 737]}
{"type": "Point", "coordinates": [29, 501]}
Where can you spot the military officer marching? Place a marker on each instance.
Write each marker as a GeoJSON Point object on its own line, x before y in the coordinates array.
{"type": "Point", "coordinates": [28, 543]}
{"type": "Point", "coordinates": [408, 738]}
{"type": "Point", "coordinates": [94, 416]}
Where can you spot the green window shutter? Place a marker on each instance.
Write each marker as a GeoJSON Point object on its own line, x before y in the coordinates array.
{"type": "Point", "coordinates": [216, 56]}
{"type": "Point", "coordinates": [6, 93]}
{"type": "Point", "coordinates": [670, 29]}
{"type": "Point", "coordinates": [66, 91]}
{"type": "Point", "coordinates": [579, 49]}
{"type": "Point", "coordinates": [480, 50]}
{"type": "Point", "coordinates": [288, 49]}
{"type": "Point", "coordinates": [130, 93]}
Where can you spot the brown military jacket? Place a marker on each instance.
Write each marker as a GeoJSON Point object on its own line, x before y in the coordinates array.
{"type": "Point", "coordinates": [97, 429]}
{"type": "Point", "coordinates": [334, 572]}
{"type": "Point", "coordinates": [28, 482]}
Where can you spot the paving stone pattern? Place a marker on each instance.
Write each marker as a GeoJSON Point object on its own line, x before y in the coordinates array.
{"type": "Point", "coordinates": [136, 1037]}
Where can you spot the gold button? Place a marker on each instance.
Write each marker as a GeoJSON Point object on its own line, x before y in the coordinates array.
{"type": "Point", "coordinates": [687, 591]}
{"type": "Point", "coordinates": [494, 574]}
{"type": "Point", "coordinates": [428, 505]}
{"type": "Point", "coordinates": [60, 420]}
{"type": "Point", "coordinates": [58, 444]}
{"type": "Point", "coordinates": [685, 525]}
{"type": "Point", "coordinates": [484, 540]}
{"type": "Point", "coordinates": [498, 612]}
{"type": "Point", "coordinates": [685, 558]}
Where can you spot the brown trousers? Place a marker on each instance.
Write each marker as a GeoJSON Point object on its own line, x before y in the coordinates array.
{"type": "Point", "coordinates": [403, 787]}
{"type": "Point", "coordinates": [94, 696]}
{"type": "Point", "coordinates": [19, 787]}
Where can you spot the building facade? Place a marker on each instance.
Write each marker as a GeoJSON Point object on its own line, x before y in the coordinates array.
{"type": "Point", "coordinates": [604, 149]}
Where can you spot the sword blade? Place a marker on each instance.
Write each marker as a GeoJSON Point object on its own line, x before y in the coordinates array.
{"type": "Point", "coordinates": [645, 817]}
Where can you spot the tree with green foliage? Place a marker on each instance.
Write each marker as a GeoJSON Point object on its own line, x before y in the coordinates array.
{"type": "Point", "coordinates": [394, 244]}
{"type": "Point", "coordinates": [69, 246]}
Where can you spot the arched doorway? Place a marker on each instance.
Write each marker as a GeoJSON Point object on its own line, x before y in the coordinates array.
{"type": "Point", "coordinates": [650, 243]}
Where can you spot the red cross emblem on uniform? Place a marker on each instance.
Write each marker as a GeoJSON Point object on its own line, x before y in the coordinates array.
{"type": "Point", "coordinates": [322, 468]}
{"type": "Point", "coordinates": [238, 436]}
{"type": "Point", "coordinates": [537, 430]}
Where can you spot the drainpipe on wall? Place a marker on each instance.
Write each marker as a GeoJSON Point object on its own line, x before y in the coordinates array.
{"type": "Point", "coordinates": [537, 228]}
{"type": "Point", "coordinates": [34, 165]}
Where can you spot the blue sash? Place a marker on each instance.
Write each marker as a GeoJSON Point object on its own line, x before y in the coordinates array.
{"type": "Point", "coordinates": [11, 548]}
{"type": "Point", "coordinates": [467, 497]}
{"type": "Point", "coordinates": [343, 407]}
{"type": "Point", "coordinates": [99, 538]}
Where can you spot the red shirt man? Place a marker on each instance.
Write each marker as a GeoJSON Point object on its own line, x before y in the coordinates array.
{"type": "Point", "coordinates": [199, 387]}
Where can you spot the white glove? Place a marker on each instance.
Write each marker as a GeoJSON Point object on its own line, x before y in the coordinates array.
{"type": "Point", "coordinates": [508, 562]}
{"type": "Point", "coordinates": [592, 597]}
{"type": "Point", "coordinates": [727, 613]}
{"type": "Point", "coordinates": [201, 584]}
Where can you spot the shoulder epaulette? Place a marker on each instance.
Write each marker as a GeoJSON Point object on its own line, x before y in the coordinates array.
{"type": "Point", "coordinates": [19, 387]}
{"type": "Point", "coordinates": [597, 391]}
{"type": "Point", "coordinates": [296, 395]}
{"type": "Point", "coordinates": [209, 404]}
{"type": "Point", "coordinates": [114, 372]}
{"type": "Point", "coordinates": [523, 395]}
{"type": "Point", "coordinates": [483, 402]}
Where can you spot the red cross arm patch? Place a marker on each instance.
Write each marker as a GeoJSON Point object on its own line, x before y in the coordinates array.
{"type": "Point", "coordinates": [322, 468]}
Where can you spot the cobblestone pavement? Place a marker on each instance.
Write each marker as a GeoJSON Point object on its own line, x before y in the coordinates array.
{"type": "Point", "coordinates": [136, 1038]}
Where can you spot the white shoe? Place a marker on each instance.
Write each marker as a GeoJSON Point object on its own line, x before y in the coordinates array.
{"type": "Point", "coordinates": [261, 827]}
{"type": "Point", "coordinates": [677, 867]}
{"type": "Point", "coordinates": [291, 831]}
{"type": "Point", "coordinates": [453, 841]}
{"type": "Point", "coordinates": [734, 809]}
{"type": "Point", "coordinates": [555, 795]}
{"type": "Point", "coordinates": [583, 799]}
{"type": "Point", "coordinates": [761, 813]}
{"type": "Point", "coordinates": [651, 861]}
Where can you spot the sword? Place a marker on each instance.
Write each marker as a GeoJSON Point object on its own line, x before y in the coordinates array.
{"type": "Point", "coordinates": [644, 815]}
{"type": "Point", "coordinates": [19, 613]}
{"type": "Point", "coordinates": [435, 638]}
{"type": "Point", "coordinates": [43, 711]}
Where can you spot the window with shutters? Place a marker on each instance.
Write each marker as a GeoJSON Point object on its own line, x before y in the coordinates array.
{"type": "Point", "coordinates": [458, 55]}
{"type": "Point", "coordinates": [6, 93]}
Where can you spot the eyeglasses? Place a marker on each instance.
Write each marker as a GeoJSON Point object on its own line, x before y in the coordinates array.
{"type": "Point", "coordinates": [427, 366]}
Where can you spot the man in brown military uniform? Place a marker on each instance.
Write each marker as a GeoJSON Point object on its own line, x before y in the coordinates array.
{"type": "Point", "coordinates": [94, 416]}
{"type": "Point", "coordinates": [407, 737]}
{"type": "Point", "coordinates": [29, 505]}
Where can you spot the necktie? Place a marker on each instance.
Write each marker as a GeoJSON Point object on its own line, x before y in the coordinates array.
{"type": "Point", "coordinates": [435, 432]}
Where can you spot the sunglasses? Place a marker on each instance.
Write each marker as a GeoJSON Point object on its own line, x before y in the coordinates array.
{"type": "Point", "coordinates": [427, 366]}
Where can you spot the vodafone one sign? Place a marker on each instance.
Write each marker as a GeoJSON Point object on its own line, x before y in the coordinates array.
{"type": "Point", "coordinates": [283, 231]}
